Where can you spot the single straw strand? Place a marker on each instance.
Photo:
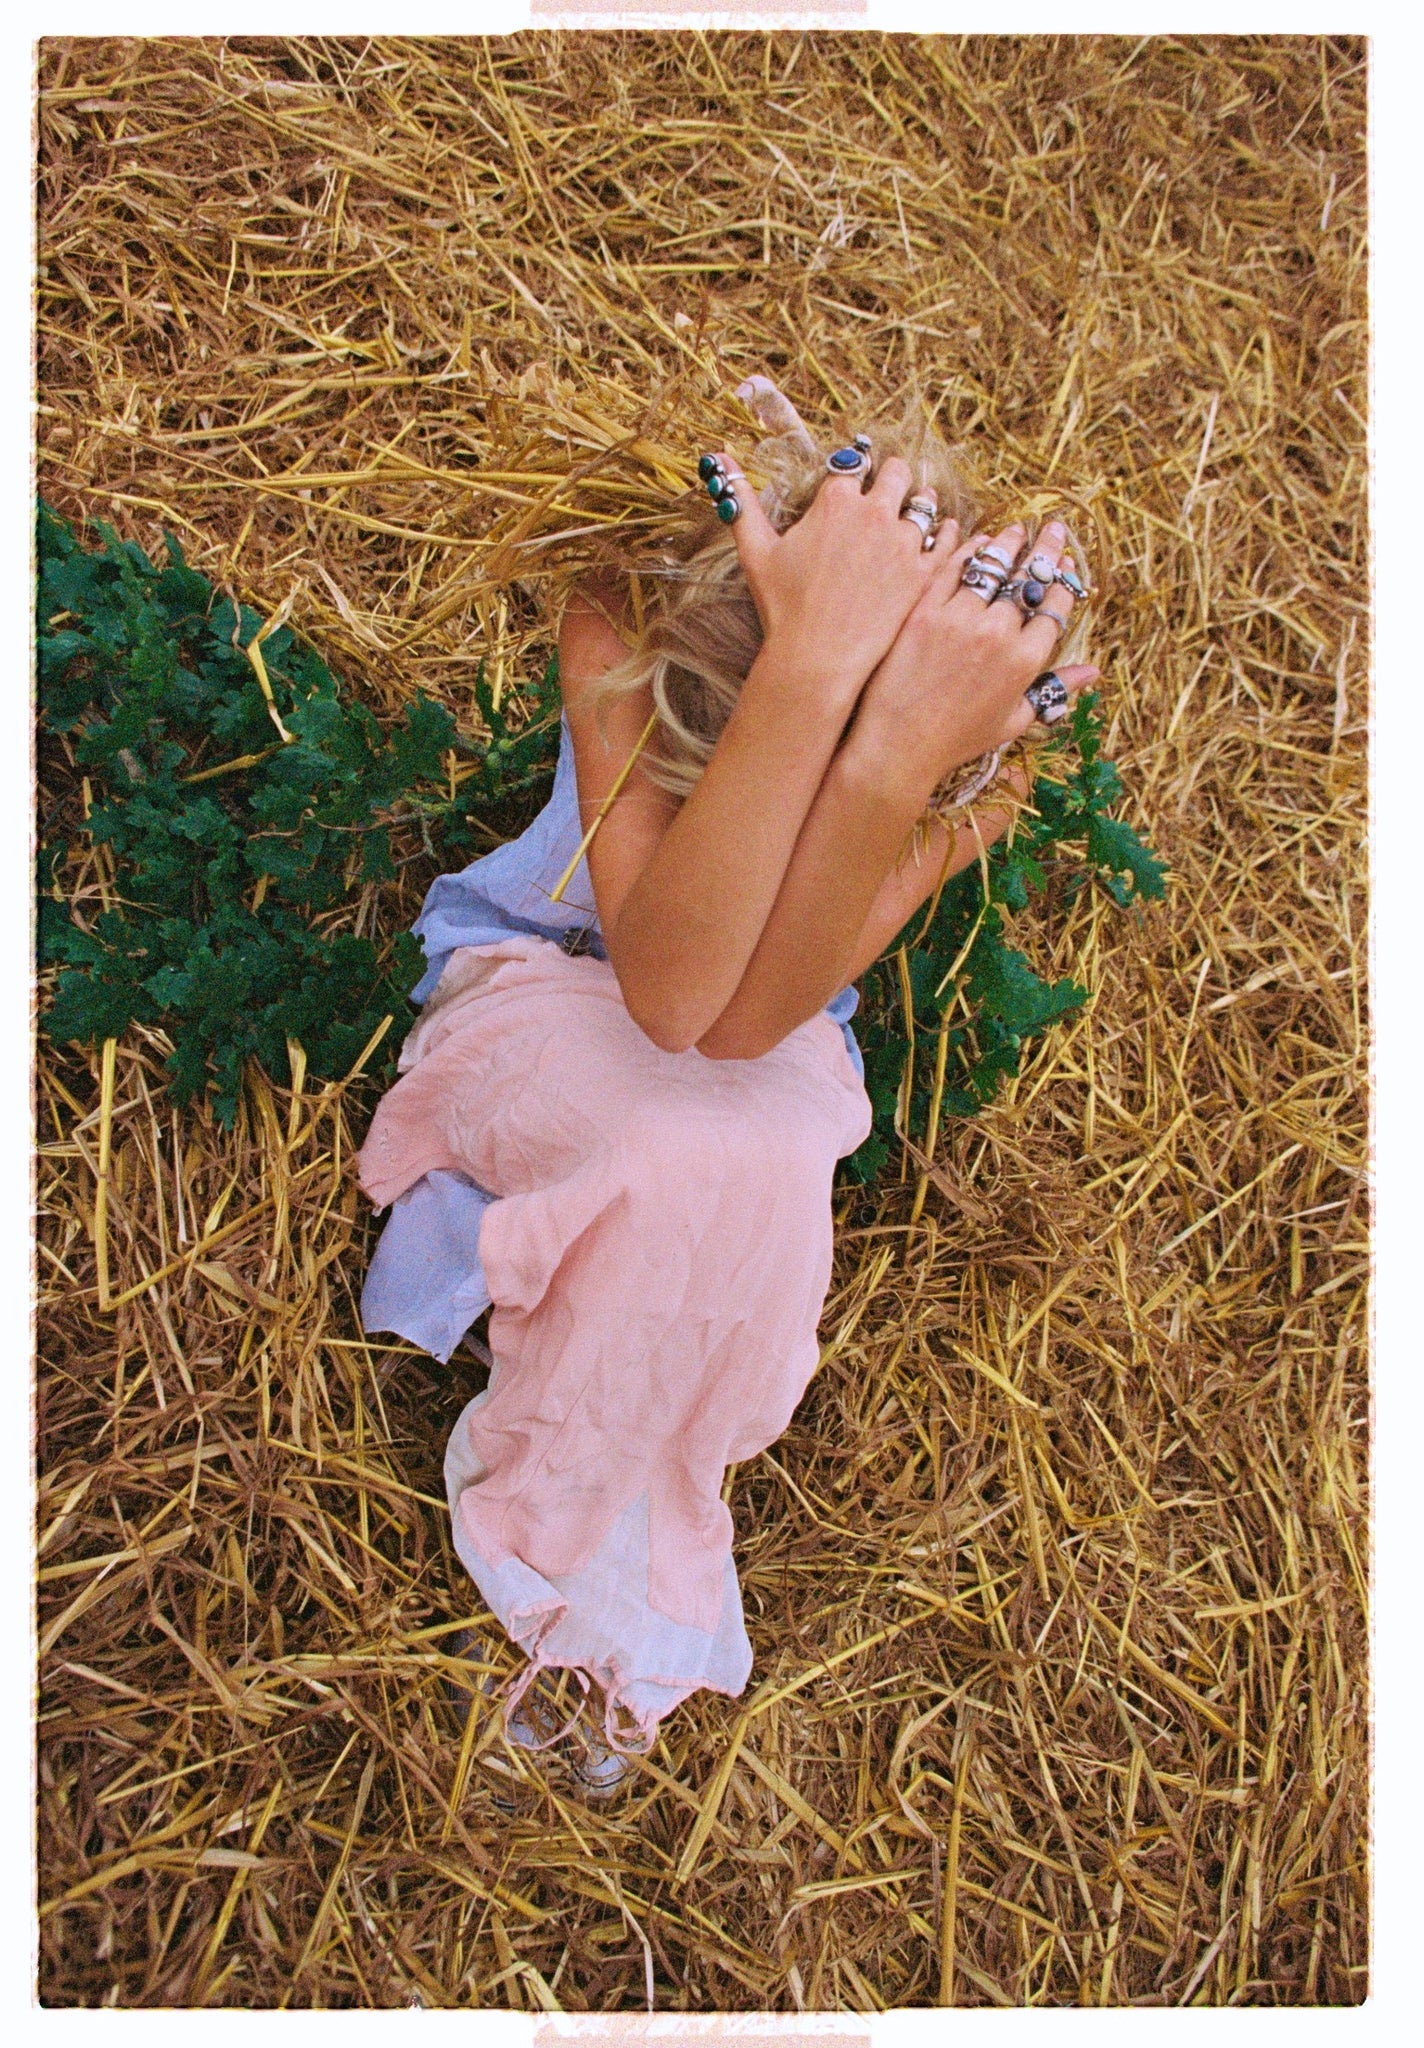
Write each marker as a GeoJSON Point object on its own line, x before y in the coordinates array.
{"type": "Point", "coordinates": [556, 893]}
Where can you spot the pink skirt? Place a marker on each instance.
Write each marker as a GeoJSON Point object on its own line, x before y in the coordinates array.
{"type": "Point", "coordinates": [657, 1256]}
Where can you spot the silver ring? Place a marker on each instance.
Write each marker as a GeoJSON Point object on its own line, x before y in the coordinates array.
{"type": "Point", "coordinates": [1048, 694]}
{"type": "Point", "coordinates": [1041, 567]}
{"type": "Point", "coordinates": [1005, 562]}
{"type": "Point", "coordinates": [985, 578]}
{"type": "Point", "coordinates": [919, 514]}
{"type": "Point", "coordinates": [851, 461]}
{"type": "Point", "coordinates": [1071, 583]}
{"type": "Point", "coordinates": [1044, 612]}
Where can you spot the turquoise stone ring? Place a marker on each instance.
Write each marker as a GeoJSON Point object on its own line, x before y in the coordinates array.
{"type": "Point", "coordinates": [719, 481]}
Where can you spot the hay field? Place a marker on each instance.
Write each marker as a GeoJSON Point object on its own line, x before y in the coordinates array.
{"type": "Point", "coordinates": [1057, 1585]}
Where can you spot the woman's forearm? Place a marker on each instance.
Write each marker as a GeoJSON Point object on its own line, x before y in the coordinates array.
{"type": "Point", "coordinates": [683, 934]}
{"type": "Point", "coordinates": [853, 834]}
{"type": "Point", "coordinates": [854, 880]}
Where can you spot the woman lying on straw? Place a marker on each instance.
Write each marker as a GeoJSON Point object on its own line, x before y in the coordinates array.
{"type": "Point", "coordinates": [621, 1110]}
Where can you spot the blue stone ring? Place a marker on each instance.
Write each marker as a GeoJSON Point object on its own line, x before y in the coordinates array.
{"type": "Point", "coordinates": [851, 461]}
{"type": "Point", "coordinates": [719, 480]}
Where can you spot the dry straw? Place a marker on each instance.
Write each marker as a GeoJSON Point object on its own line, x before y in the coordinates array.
{"type": "Point", "coordinates": [1057, 1584]}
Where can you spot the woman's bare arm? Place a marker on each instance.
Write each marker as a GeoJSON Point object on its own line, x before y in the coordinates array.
{"type": "Point", "coordinates": [589, 643]}
{"type": "Point", "coordinates": [951, 687]}
{"type": "Point", "coordinates": [684, 891]}
{"type": "Point", "coordinates": [845, 917]}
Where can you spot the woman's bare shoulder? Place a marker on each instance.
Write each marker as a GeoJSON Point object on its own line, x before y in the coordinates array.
{"type": "Point", "coordinates": [595, 631]}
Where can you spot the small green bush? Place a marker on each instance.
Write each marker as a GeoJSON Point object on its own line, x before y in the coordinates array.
{"type": "Point", "coordinates": [236, 853]}
{"type": "Point", "coordinates": [1011, 1005]}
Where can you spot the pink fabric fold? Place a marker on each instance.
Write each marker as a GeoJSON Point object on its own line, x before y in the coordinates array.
{"type": "Point", "coordinates": [658, 1253]}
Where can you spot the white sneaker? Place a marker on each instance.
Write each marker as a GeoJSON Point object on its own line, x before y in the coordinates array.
{"type": "Point", "coordinates": [596, 1769]}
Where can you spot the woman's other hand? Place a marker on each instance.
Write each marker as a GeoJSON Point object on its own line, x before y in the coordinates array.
{"type": "Point", "coordinates": [834, 590]}
{"type": "Point", "coordinates": [952, 685]}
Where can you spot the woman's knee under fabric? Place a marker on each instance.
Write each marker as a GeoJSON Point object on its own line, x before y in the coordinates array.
{"type": "Point", "coordinates": [542, 1065]}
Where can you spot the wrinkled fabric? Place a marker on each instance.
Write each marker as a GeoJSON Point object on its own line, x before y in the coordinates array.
{"type": "Point", "coordinates": [598, 1620]}
{"type": "Point", "coordinates": [426, 1282]}
{"type": "Point", "coordinates": [657, 1250]}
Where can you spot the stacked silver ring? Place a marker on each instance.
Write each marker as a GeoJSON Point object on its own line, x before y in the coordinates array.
{"type": "Point", "coordinates": [985, 574]}
{"type": "Point", "coordinates": [921, 512]}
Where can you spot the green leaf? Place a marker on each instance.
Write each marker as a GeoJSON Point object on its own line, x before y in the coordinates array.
{"type": "Point", "coordinates": [1116, 848]}
{"type": "Point", "coordinates": [1067, 840]}
{"type": "Point", "coordinates": [137, 661]}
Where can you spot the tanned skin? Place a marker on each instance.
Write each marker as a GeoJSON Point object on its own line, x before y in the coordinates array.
{"type": "Point", "coordinates": [735, 915]}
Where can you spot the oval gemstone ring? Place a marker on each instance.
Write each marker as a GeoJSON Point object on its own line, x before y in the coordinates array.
{"type": "Point", "coordinates": [719, 481]}
{"type": "Point", "coordinates": [851, 461]}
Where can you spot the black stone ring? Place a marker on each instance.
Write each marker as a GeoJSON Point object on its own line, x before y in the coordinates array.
{"type": "Point", "coordinates": [1048, 694]}
{"type": "Point", "coordinates": [1027, 593]}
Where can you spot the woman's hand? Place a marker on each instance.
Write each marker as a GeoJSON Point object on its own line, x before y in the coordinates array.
{"type": "Point", "coordinates": [833, 592]}
{"type": "Point", "coordinates": [952, 685]}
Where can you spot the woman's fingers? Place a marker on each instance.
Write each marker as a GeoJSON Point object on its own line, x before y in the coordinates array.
{"type": "Point", "coordinates": [946, 534]}
{"type": "Point", "coordinates": [950, 558]}
{"type": "Point", "coordinates": [752, 531]}
{"type": "Point", "coordinates": [1051, 615]}
{"type": "Point", "coordinates": [892, 484]}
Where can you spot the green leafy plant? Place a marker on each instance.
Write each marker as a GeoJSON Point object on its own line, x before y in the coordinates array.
{"type": "Point", "coordinates": [907, 1026]}
{"type": "Point", "coordinates": [237, 807]}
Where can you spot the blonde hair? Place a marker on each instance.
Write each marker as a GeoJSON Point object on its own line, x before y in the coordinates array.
{"type": "Point", "coordinates": [695, 651]}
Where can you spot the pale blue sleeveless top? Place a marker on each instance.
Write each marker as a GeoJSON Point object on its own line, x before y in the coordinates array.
{"type": "Point", "coordinates": [425, 1282]}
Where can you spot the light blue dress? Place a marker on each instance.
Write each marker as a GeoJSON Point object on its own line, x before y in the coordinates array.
{"type": "Point", "coordinates": [425, 1282]}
